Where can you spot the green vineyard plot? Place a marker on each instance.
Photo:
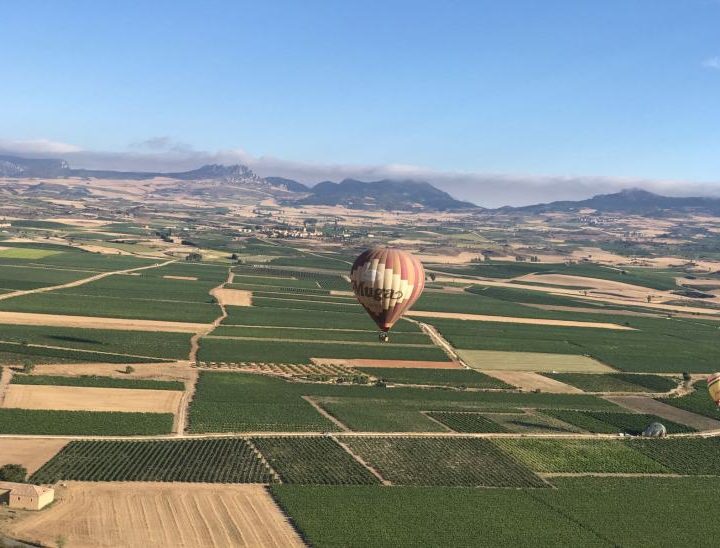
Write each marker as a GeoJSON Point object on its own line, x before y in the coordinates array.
{"type": "Point", "coordinates": [312, 460]}
{"type": "Point", "coordinates": [443, 377]}
{"type": "Point", "coordinates": [443, 461]}
{"type": "Point", "coordinates": [695, 456]}
{"type": "Point", "coordinates": [580, 456]}
{"type": "Point", "coordinates": [225, 460]}
{"type": "Point", "coordinates": [83, 423]}
{"type": "Point", "coordinates": [98, 382]}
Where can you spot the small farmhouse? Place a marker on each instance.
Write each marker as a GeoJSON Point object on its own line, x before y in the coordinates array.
{"type": "Point", "coordinates": [25, 496]}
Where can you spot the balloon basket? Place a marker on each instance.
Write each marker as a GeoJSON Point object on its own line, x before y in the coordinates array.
{"type": "Point", "coordinates": [383, 337]}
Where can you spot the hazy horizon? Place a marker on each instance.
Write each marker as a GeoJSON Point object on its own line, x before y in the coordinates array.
{"type": "Point", "coordinates": [496, 103]}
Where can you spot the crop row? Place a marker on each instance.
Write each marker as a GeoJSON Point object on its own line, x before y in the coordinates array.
{"type": "Point", "coordinates": [87, 423]}
{"type": "Point", "coordinates": [443, 461]}
{"type": "Point", "coordinates": [99, 382]}
{"type": "Point", "coordinates": [312, 460]}
{"type": "Point", "coordinates": [223, 460]}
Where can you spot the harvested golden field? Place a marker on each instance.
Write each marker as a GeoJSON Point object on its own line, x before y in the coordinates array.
{"type": "Point", "coordinates": [528, 381]}
{"type": "Point", "coordinates": [92, 322]}
{"type": "Point", "coordinates": [77, 398]}
{"type": "Point", "coordinates": [30, 453]}
{"type": "Point", "coordinates": [489, 360]}
{"type": "Point", "coordinates": [234, 297]}
{"type": "Point", "coordinates": [187, 278]}
{"type": "Point", "coordinates": [159, 515]}
{"type": "Point", "coordinates": [159, 371]}
{"type": "Point", "coordinates": [508, 319]}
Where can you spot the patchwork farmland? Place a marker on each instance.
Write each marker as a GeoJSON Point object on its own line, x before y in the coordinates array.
{"type": "Point", "coordinates": [258, 382]}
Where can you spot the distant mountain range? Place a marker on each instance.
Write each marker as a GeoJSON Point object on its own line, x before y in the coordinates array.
{"type": "Point", "coordinates": [387, 194]}
{"type": "Point", "coordinates": [631, 201]}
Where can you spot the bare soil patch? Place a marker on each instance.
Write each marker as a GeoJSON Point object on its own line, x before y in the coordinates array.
{"type": "Point", "coordinates": [488, 361]}
{"type": "Point", "coordinates": [30, 453]}
{"type": "Point", "coordinates": [232, 297]}
{"type": "Point", "coordinates": [79, 398]}
{"type": "Point", "coordinates": [159, 515]}
{"type": "Point", "coordinates": [188, 278]}
{"type": "Point", "coordinates": [508, 319]}
{"type": "Point", "coordinates": [528, 381]}
{"type": "Point", "coordinates": [91, 322]}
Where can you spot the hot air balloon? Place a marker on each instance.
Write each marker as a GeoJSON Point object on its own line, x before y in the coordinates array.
{"type": "Point", "coordinates": [713, 383]}
{"type": "Point", "coordinates": [387, 282]}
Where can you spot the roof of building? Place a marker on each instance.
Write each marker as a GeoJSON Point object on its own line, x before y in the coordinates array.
{"type": "Point", "coordinates": [24, 489]}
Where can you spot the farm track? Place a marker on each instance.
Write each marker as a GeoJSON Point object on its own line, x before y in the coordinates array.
{"type": "Point", "coordinates": [180, 422]}
{"type": "Point", "coordinates": [83, 281]}
{"type": "Point", "coordinates": [266, 434]}
{"type": "Point", "coordinates": [439, 341]}
{"type": "Point", "coordinates": [325, 414]}
{"type": "Point", "coordinates": [5, 378]}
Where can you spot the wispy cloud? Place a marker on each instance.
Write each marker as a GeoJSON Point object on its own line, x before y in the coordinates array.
{"type": "Point", "coordinates": [712, 63]}
{"type": "Point", "coordinates": [486, 189]}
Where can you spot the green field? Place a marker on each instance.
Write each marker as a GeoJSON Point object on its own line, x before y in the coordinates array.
{"type": "Point", "coordinates": [467, 422]}
{"type": "Point", "coordinates": [442, 377]}
{"type": "Point", "coordinates": [597, 456]}
{"type": "Point", "coordinates": [580, 512]}
{"type": "Point", "coordinates": [113, 307]}
{"type": "Point", "coordinates": [312, 460]}
{"type": "Point", "coordinates": [696, 456]}
{"type": "Point", "coordinates": [98, 382]}
{"type": "Point", "coordinates": [653, 346]}
{"type": "Point", "coordinates": [697, 401]}
{"type": "Point", "coordinates": [83, 423]}
{"type": "Point", "coordinates": [242, 402]}
{"type": "Point", "coordinates": [346, 335]}
{"type": "Point", "coordinates": [20, 277]}
{"type": "Point", "coordinates": [296, 351]}
{"type": "Point", "coordinates": [143, 343]}
{"type": "Point", "coordinates": [646, 277]}
{"type": "Point", "coordinates": [225, 460]}
{"type": "Point", "coordinates": [616, 382]}
{"type": "Point", "coordinates": [612, 423]}
{"type": "Point", "coordinates": [442, 461]}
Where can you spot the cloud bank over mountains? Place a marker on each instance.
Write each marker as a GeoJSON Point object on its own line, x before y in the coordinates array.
{"type": "Point", "coordinates": [485, 189]}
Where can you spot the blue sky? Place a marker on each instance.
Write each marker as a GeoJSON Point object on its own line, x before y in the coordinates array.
{"type": "Point", "coordinates": [627, 90]}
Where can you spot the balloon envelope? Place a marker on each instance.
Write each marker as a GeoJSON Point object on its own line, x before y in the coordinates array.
{"type": "Point", "coordinates": [387, 282]}
{"type": "Point", "coordinates": [713, 383]}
